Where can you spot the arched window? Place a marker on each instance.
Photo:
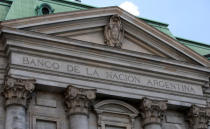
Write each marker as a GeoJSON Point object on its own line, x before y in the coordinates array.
{"type": "Point", "coordinates": [115, 114]}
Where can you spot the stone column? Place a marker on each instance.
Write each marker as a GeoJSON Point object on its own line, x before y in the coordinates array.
{"type": "Point", "coordinates": [17, 93]}
{"type": "Point", "coordinates": [199, 117]}
{"type": "Point", "coordinates": [77, 101]}
{"type": "Point", "coordinates": [152, 113]}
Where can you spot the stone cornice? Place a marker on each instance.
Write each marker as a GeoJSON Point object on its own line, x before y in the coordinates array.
{"type": "Point", "coordinates": [153, 111]}
{"type": "Point", "coordinates": [83, 44]}
{"type": "Point", "coordinates": [100, 12]}
{"type": "Point", "coordinates": [77, 100]}
{"type": "Point", "coordinates": [17, 91]}
{"type": "Point", "coordinates": [199, 117]}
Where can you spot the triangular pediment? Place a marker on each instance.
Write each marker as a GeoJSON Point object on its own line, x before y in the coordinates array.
{"type": "Point", "coordinates": [96, 35]}
{"type": "Point", "coordinates": [89, 25]}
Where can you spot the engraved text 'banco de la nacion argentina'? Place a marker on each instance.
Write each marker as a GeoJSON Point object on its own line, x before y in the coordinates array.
{"type": "Point", "coordinates": [107, 74]}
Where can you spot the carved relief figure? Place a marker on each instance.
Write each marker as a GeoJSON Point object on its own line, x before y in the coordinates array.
{"type": "Point", "coordinates": [114, 32]}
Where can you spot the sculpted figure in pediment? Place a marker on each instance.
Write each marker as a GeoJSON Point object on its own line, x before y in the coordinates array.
{"type": "Point", "coordinates": [114, 32]}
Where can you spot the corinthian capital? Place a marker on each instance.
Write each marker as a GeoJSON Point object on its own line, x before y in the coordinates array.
{"type": "Point", "coordinates": [153, 111]}
{"type": "Point", "coordinates": [77, 100]}
{"type": "Point", "coordinates": [17, 91]}
{"type": "Point", "coordinates": [198, 117]}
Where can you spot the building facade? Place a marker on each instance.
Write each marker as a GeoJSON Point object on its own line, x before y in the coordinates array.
{"type": "Point", "coordinates": [98, 68]}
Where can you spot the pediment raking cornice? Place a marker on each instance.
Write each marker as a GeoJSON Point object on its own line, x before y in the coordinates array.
{"type": "Point", "coordinates": [173, 46]}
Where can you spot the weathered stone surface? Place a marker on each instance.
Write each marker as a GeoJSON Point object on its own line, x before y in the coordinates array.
{"type": "Point", "coordinates": [46, 102]}
{"type": "Point", "coordinates": [173, 126]}
{"type": "Point", "coordinates": [152, 126]}
{"type": "Point", "coordinates": [77, 100]}
{"type": "Point", "coordinates": [106, 74]}
{"type": "Point", "coordinates": [2, 123]}
{"type": "Point", "coordinates": [114, 32]}
{"type": "Point", "coordinates": [138, 123]}
{"type": "Point", "coordinates": [92, 120]}
{"type": "Point", "coordinates": [17, 91]}
{"type": "Point", "coordinates": [44, 115]}
{"type": "Point", "coordinates": [78, 121]}
{"type": "Point", "coordinates": [41, 124]}
{"type": "Point", "coordinates": [199, 117]}
{"type": "Point", "coordinates": [2, 110]}
{"type": "Point", "coordinates": [15, 117]}
{"type": "Point", "coordinates": [46, 99]}
{"type": "Point", "coordinates": [175, 117]}
{"type": "Point", "coordinates": [153, 112]}
{"type": "Point", "coordinates": [115, 114]}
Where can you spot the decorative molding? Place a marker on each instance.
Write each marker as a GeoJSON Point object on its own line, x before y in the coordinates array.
{"type": "Point", "coordinates": [34, 117]}
{"type": "Point", "coordinates": [115, 113]}
{"type": "Point", "coordinates": [77, 100]}
{"type": "Point", "coordinates": [114, 32]}
{"type": "Point", "coordinates": [130, 110]}
{"type": "Point", "coordinates": [18, 91]}
{"type": "Point", "coordinates": [199, 117]}
{"type": "Point", "coordinates": [105, 12]}
{"type": "Point", "coordinates": [153, 111]}
{"type": "Point", "coordinates": [44, 9]}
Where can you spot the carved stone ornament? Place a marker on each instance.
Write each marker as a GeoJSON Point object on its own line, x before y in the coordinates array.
{"type": "Point", "coordinates": [115, 114]}
{"type": "Point", "coordinates": [114, 32]}
{"type": "Point", "coordinates": [153, 111]}
{"type": "Point", "coordinates": [17, 91]}
{"type": "Point", "coordinates": [77, 100]}
{"type": "Point", "coordinates": [199, 117]}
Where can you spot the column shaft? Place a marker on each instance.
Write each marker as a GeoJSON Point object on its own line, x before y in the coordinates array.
{"type": "Point", "coordinates": [17, 93]}
{"type": "Point", "coordinates": [152, 126]}
{"type": "Point", "coordinates": [78, 121]}
{"type": "Point", "coordinates": [15, 117]}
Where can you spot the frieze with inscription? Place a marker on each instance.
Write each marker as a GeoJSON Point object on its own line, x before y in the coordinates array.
{"type": "Point", "coordinates": [104, 73]}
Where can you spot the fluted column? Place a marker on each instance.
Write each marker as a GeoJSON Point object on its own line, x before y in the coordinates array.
{"type": "Point", "coordinates": [199, 117]}
{"type": "Point", "coordinates": [17, 94]}
{"type": "Point", "coordinates": [77, 101]}
{"type": "Point", "coordinates": [152, 113]}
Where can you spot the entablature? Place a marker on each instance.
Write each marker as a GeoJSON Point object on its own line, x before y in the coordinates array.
{"type": "Point", "coordinates": [58, 61]}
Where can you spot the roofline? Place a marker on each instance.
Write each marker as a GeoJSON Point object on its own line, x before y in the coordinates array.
{"type": "Point", "coordinates": [149, 20]}
{"type": "Point", "coordinates": [153, 21]}
{"type": "Point", "coordinates": [192, 41]}
{"type": "Point", "coordinates": [90, 6]}
{"type": "Point", "coordinates": [107, 11]}
{"type": "Point", "coordinates": [78, 3]}
{"type": "Point", "coordinates": [41, 36]}
{"type": "Point", "coordinates": [6, 3]}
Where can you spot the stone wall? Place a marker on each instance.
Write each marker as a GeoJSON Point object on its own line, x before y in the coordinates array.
{"type": "Point", "coordinates": [175, 120]}
{"type": "Point", "coordinates": [3, 62]}
{"type": "Point", "coordinates": [48, 110]}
